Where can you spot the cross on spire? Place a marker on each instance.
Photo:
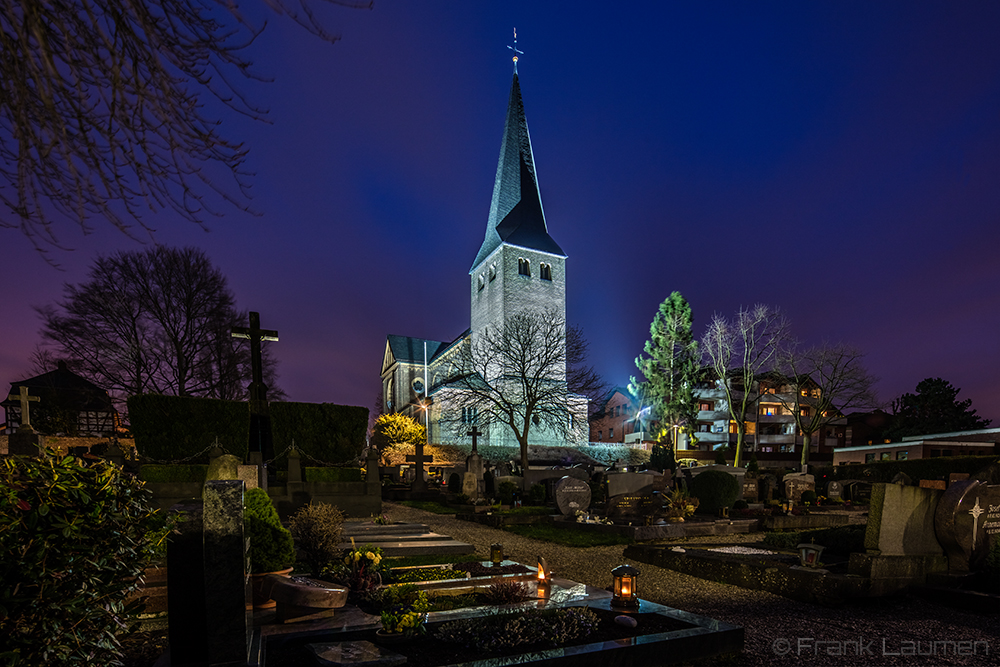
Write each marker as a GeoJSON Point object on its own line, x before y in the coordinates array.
{"type": "Point", "coordinates": [515, 50]}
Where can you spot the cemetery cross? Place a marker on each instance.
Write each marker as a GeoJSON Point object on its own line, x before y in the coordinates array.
{"type": "Point", "coordinates": [475, 433]}
{"type": "Point", "coordinates": [25, 400]}
{"type": "Point", "coordinates": [260, 424]}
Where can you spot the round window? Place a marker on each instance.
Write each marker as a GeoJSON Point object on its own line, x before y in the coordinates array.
{"type": "Point", "coordinates": [418, 386]}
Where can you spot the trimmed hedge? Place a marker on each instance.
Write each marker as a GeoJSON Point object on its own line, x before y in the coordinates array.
{"type": "Point", "coordinates": [938, 467]}
{"type": "Point", "coordinates": [714, 489]}
{"type": "Point", "coordinates": [170, 428]}
{"type": "Point", "coordinates": [271, 545]}
{"type": "Point", "coordinates": [332, 475]}
{"type": "Point", "coordinates": [328, 432]}
{"type": "Point", "coordinates": [173, 473]}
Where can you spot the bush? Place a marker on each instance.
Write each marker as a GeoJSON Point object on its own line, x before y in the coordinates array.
{"type": "Point", "coordinates": [173, 473]}
{"type": "Point", "coordinates": [523, 628]}
{"type": "Point", "coordinates": [506, 591]}
{"type": "Point", "coordinates": [271, 545]}
{"type": "Point", "coordinates": [720, 457]}
{"type": "Point", "coordinates": [715, 489]}
{"type": "Point", "coordinates": [316, 530]}
{"type": "Point", "coordinates": [506, 491]}
{"type": "Point", "coordinates": [73, 539]}
{"type": "Point", "coordinates": [536, 494]}
{"type": "Point", "coordinates": [740, 505]}
{"type": "Point", "coordinates": [808, 497]}
{"type": "Point", "coordinates": [332, 475]}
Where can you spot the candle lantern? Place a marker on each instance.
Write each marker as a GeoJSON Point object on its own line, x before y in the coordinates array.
{"type": "Point", "coordinates": [496, 554]}
{"type": "Point", "coordinates": [809, 554]}
{"type": "Point", "coordinates": [625, 587]}
{"type": "Point", "coordinates": [543, 573]}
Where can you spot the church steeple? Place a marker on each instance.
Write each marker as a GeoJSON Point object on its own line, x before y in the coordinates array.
{"type": "Point", "coordinates": [516, 214]}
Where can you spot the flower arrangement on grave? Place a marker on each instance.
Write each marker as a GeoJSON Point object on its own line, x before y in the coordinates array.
{"type": "Point", "coordinates": [362, 568]}
{"type": "Point", "coordinates": [408, 620]}
{"type": "Point", "coordinates": [680, 504]}
{"type": "Point", "coordinates": [381, 520]}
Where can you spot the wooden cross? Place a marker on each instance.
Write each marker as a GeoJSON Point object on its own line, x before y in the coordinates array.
{"type": "Point", "coordinates": [475, 433]}
{"type": "Point", "coordinates": [25, 400]}
{"type": "Point", "coordinates": [260, 424]}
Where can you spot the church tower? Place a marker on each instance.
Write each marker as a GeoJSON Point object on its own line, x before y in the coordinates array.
{"type": "Point", "coordinates": [519, 268]}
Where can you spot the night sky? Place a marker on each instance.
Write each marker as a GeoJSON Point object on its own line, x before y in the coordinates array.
{"type": "Point", "coordinates": [840, 160]}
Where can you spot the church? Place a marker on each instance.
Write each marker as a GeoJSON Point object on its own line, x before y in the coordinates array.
{"type": "Point", "coordinates": [519, 269]}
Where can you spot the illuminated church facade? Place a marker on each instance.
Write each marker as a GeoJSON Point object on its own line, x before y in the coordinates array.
{"type": "Point", "coordinates": [519, 268]}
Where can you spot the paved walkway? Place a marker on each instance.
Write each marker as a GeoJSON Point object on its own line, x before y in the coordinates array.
{"type": "Point", "coordinates": [779, 632]}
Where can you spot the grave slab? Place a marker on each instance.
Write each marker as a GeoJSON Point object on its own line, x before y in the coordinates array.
{"type": "Point", "coordinates": [354, 654]}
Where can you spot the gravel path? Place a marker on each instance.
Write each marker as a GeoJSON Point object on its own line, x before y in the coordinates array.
{"type": "Point", "coordinates": [779, 631]}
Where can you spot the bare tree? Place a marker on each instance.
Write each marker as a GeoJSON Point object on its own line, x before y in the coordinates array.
{"type": "Point", "coordinates": [821, 384]}
{"type": "Point", "coordinates": [514, 375]}
{"type": "Point", "coordinates": [101, 110]}
{"type": "Point", "coordinates": [738, 351]}
{"type": "Point", "coordinates": [156, 321]}
{"type": "Point", "coordinates": [581, 378]}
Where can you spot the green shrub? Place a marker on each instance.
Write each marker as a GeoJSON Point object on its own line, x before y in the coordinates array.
{"type": "Point", "coordinates": [73, 539]}
{"type": "Point", "coordinates": [808, 497]}
{"type": "Point", "coordinates": [332, 474]}
{"type": "Point", "coordinates": [316, 529]}
{"type": "Point", "coordinates": [787, 540]}
{"type": "Point", "coordinates": [536, 494]}
{"type": "Point", "coordinates": [740, 505]}
{"type": "Point", "coordinates": [608, 454]}
{"type": "Point", "coordinates": [720, 457]}
{"type": "Point", "coordinates": [271, 545]}
{"type": "Point", "coordinates": [325, 431]}
{"type": "Point", "coordinates": [506, 491]}
{"type": "Point", "coordinates": [938, 467]}
{"type": "Point", "coordinates": [550, 627]}
{"type": "Point", "coordinates": [170, 428]}
{"type": "Point", "coordinates": [715, 489]}
{"type": "Point", "coordinates": [173, 473]}
{"type": "Point", "coordinates": [993, 568]}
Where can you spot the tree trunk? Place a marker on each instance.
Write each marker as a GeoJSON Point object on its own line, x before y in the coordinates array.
{"type": "Point", "coordinates": [806, 443]}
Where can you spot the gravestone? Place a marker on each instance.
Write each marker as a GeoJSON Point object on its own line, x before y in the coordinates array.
{"type": "Point", "coordinates": [211, 618]}
{"type": "Point", "coordinates": [967, 523]}
{"type": "Point", "coordinates": [796, 483]}
{"type": "Point", "coordinates": [957, 477]}
{"type": "Point", "coordinates": [750, 490]}
{"type": "Point", "coordinates": [354, 654]}
{"type": "Point", "coordinates": [24, 441]}
{"type": "Point", "coordinates": [938, 484]}
{"type": "Point", "coordinates": [472, 480]}
{"type": "Point", "coordinates": [261, 443]}
{"type": "Point", "coordinates": [419, 479]}
{"type": "Point", "coordinates": [857, 491]}
{"type": "Point", "coordinates": [631, 505]}
{"type": "Point", "coordinates": [834, 490]}
{"type": "Point", "coordinates": [768, 485]}
{"type": "Point", "coordinates": [901, 478]}
{"type": "Point", "coordinates": [901, 521]}
{"type": "Point", "coordinates": [572, 494]}
{"type": "Point", "coordinates": [630, 483]}
{"type": "Point", "coordinates": [223, 467]}
{"type": "Point", "coordinates": [489, 484]}
{"type": "Point", "coordinates": [470, 485]}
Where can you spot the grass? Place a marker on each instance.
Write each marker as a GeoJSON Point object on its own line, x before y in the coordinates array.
{"type": "Point", "coordinates": [534, 510]}
{"type": "Point", "coordinates": [429, 506]}
{"type": "Point", "coordinates": [568, 537]}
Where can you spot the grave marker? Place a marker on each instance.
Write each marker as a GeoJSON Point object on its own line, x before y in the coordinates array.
{"type": "Point", "coordinates": [261, 443]}
{"type": "Point", "coordinates": [967, 523]}
{"type": "Point", "coordinates": [419, 479]}
{"type": "Point", "coordinates": [25, 401]}
{"type": "Point", "coordinates": [572, 494]}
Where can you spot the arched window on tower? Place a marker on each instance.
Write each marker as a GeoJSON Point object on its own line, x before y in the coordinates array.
{"type": "Point", "coordinates": [523, 267]}
{"type": "Point", "coordinates": [545, 271]}
{"type": "Point", "coordinates": [493, 272]}
{"type": "Point", "coordinates": [482, 282]}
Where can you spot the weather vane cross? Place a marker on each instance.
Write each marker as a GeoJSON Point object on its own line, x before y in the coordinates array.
{"type": "Point", "coordinates": [515, 50]}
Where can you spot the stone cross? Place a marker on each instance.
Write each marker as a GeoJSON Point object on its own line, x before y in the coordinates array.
{"type": "Point", "coordinates": [419, 458]}
{"type": "Point", "coordinates": [260, 423]}
{"type": "Point", "coordinates": [25, 400]}
{"type": "Point", "coordinates": [475, 433]}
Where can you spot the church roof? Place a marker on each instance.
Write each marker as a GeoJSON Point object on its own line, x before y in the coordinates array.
{"type": "Point", "coordinates": [407, 349]}
{"type": "Point", "coordinates": [516, 215]}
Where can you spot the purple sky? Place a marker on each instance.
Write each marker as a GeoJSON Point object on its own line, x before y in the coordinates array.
{"type": "Point", "coordinates": [840, 160]}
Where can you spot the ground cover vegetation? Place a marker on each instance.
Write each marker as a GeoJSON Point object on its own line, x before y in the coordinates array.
{"type": "Point", "coordinates": [73, 539]}
{"type": "Point", "coordinates": [568, 536]}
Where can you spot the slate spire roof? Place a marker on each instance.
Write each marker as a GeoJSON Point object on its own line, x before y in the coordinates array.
{"type": "Point", "coordinates": [516, 215]}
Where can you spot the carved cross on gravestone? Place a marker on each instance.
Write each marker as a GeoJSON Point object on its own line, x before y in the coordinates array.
{"type": "Point", "coordinates": [419, 482]}
{"type": "Point", "coordinates": [25, 400]}
{"type": "Point", "coordinates": [475, 433]}
{"type": "Point", "coordinates": [260, 422]}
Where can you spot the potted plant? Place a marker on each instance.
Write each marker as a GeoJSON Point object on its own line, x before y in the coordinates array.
{"type": "Point", "coordinates": [272, 550]}
{"type": "Point", "coordinates": [679, 504]}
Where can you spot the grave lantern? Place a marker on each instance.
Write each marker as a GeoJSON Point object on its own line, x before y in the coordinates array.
{"type": "Point", "coordinates": [544, 578]}
{"type": "Point", "coordinates": [625, 587]}
{"type": "Point", "coordinates": [809, 554]}
{"type": "Point", "coordinates": [496, 554]}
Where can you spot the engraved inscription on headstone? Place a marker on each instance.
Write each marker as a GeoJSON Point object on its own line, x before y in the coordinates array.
{"type": "Point", "coordinates": [834, 490]}
{"type": "Point", "coordinates": [967, 522]}
{"type": "Point", "coordinates": [571, 495]}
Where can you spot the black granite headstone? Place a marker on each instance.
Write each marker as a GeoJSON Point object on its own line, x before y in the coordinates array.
{"type": "Point", "coordinates": [967, 523]}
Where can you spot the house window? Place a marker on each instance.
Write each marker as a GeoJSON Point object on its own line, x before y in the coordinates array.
{"type": "Point", "coordinates": [769, 410]}
{"type": "Point", "coordinates": [884, 457]}
{"type": "Point", "coordinates": [869, 458]}
{"type": "Point", "coordinates": [901, 456]}
{"type": "Point", "coordinates": [523, 267]}
{"type": "Point", "coordinates": [470, 415]}
{"type": "Point", "coordinates": [611, 433]}
{"type": "Point", "coordinates": [545, 271]}
{"type": "Point", "coordinates": [705, 406]}
{"type": "Point", "coordinates": [804, 411]}
{"type": "Point", "coordinates": [600, 435]}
